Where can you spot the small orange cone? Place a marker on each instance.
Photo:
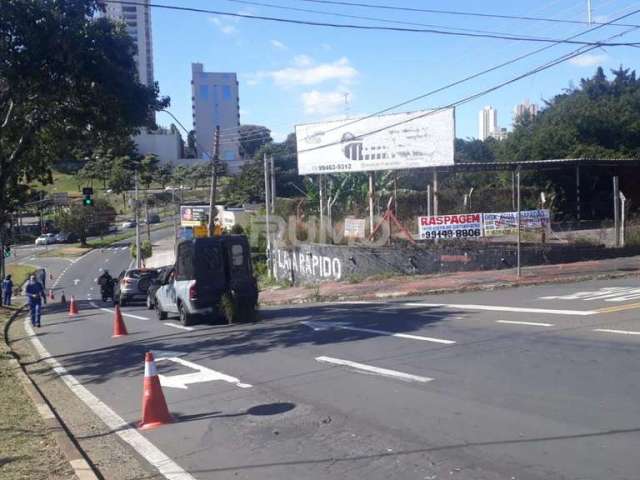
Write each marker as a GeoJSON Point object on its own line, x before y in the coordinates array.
{"type": "Point", "coordinates": [51, 295]}
{"type": "Point", "coordinates": [154, 407]}
{"type": "Point", "coordinates": [73, 308]}
{"type": "Point", "coordinates": [119, 328]}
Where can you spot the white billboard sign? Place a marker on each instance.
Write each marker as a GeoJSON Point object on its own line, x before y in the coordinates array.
{"type": "Point", "coordinates": [388, 142]}
{"type": "Point", "coordinates": [467, 225]}
{"type": "Point", "coordinates": [354, 228]}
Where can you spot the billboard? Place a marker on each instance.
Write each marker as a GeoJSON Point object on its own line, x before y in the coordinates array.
{"type": "Point", "coordinates": [467, 225]}
{"type": "Point", "coordinates": [354, 228]}
{"type": "Point", "coordinates": [388, 142]}
{"type": "Point", "coordinates": [193, 215]}
{"type": "Point", "coordinates": [506, 223]}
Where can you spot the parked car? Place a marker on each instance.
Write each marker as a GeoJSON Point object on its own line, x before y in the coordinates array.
{"type": "Point", "coordinates": [154, 218]}
{"type": "Point", "coordinates": [46, 239]}
{"type": "Point", "coordinates": [163, 276]}
{"type": "Point", "coordinates": [133, 284]}
{"type": "Point", "coordinates": [128, 224]}
{"type": "Point", "coordinates": [64, 237]}
{"type": "Point", "coordinates": [212, 278]}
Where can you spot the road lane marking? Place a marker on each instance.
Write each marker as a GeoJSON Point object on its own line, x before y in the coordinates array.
{"type": "Point", "coordinates": [407, 377]}
{"type": "Point", "coordinates": [76, 281]}
{"type": "Point", "coordinates": [202, 374]}
{"type": "Point", "coordinates": [621, 332]}
{"type": "Point", "coordinates": [108, 310]}
{"type": "Point", "coordinates": [181, 327]}
{"type": "Point", "coordinates": [533, 324]}
{"type": "Point", "coordinates": [500, 308]}
{"type": "Point", "coordinates": [619, 308]}
{"type": "Point", "coordinates": [608, 294]}
{"type": "Point", "coordinates": [152, 454]}
{"type": "Point", "coordinates": [317, 326]}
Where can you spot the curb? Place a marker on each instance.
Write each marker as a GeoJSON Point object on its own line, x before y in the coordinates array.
{"type": "Point", "coordinates": [440, 291]}
{"type": "Point", "coordinates": [80, 464]}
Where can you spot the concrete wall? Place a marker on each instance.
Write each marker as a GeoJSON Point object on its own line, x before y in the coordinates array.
{"type": "Point", "coordinates": [312, 263]}
{"type": "Point", "coordinates": [165, 145]}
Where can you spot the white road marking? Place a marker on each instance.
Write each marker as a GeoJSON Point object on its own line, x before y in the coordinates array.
{"type": "Point", "coordinates": [317, 326]}
{"type": "Point", "coordinates": [152, 454]}
{"type": "Point", "coordinates": [100, 269]}
{"type": "Point", "coordinates": [181, 327]}
{"type": "Point", "coordinates": [95, 280]}
{"type": "Point", "coordinates": [76, 281]}
{"type": "Point", "coordinates": [203, 374]}
{"type": "Point", "coordinates": [533, 324]}
{"type": "Point", "coordinates": [608, 294]}
{"type": "Point", "coordinates": [621, 332]}
{"type": "Point", "coordinates": [500, 308]}
{"type": "Point", "coordinates": [108, 310]}
{"type": "Point", "coordinates": [123, 248]}
{"type": "Point", "coordinates": [106, 260]}
{"type": "Point", "coordinates": [407, 377]}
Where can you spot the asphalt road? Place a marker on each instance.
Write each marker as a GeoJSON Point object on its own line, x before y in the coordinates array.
{"type": "Point", "coordinates": [527, 383]}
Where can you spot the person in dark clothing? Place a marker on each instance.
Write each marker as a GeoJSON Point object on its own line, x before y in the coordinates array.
{"type": "Point", "coordinates": [35, 294]}
{"type": "Point", "coordinates": [7, 290]}
{"type": "Point", "coordinates": [41, 277]}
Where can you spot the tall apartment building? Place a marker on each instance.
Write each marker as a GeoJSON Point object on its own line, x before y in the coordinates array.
{"type": "Point", "coordinates": [526, 107]}
{"type": "Point", "coordinates": [215, 102]}
{"type": "Point", "coordinates": [137, 19]}
{"type": "Point", "coordinates": [487, 123]}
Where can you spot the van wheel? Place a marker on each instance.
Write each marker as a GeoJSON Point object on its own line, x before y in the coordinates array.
{"type": "Point", "coordinates": [160, 313]}
{"type": "Point", "coordinates": [186, 318]}
{"type": "Point", "coordinates": [228, 308]}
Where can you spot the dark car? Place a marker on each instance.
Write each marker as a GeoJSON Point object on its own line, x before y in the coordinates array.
{"type": "Point", "coordinates": [163, 276]}
{"type": "Point", "coordinates": [64, 237]}
{"type": "Point", "coordinates": [133, 284]}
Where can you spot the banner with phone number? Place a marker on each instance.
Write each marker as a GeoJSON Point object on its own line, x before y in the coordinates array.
{"type": "Point", "coordinates": [468, 225]}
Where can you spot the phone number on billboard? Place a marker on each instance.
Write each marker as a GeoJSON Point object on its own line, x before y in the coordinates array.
{"type": "Point", "coordinates": [471, 232]}
{"type": "Point", "coordinates": [334, 167]}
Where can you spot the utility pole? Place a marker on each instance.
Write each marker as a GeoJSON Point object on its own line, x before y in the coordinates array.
{"type": "Point", "coordinates": [214, 178]}
{"type": "Point", "coordinates": [371, 220]}
{"type": "Point", "coordinates": [589, 11]}
{"type": "Point", "coordinates": [266, 209]}
{"type": "Point", "coordinates": [435, 192]}
{"type": "Point", "coordinates": [273, 185]}
{"type": "Point", "coordinates": [616, 210]}
{"type": "Point", "coordinates": [518, 269]}
{"type": "Point", "coordinates": [137, 217]}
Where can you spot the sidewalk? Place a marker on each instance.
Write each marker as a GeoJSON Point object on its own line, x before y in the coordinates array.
{"type": "Point", "coordinates": [376, 289]}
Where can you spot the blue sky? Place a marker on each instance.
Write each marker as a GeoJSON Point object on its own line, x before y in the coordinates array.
{"type": "Point", "coordinates": [292, 74]}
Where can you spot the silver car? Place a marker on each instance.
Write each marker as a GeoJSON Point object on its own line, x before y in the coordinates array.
{"type": "Point", "coordinates": [133, 285]}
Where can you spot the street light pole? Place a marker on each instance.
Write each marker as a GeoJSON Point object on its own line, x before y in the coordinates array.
{"type": "Point", "coordinates": [137, 219]}
{"type": "Point", "coordinates": [518, 220]}
{"type": "Point", "coordinates": [214, 179]}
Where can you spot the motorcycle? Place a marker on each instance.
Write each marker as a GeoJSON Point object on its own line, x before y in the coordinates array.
{"type": "Point", "coordinates": [106, 290]}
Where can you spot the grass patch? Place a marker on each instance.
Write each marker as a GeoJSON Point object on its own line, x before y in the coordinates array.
{"type": "Point", "coordinates": [62, 182]}
{"type": "Point", "coordinates": [28, 448]}
{"type": "Point", "coordinates": [19, 273]}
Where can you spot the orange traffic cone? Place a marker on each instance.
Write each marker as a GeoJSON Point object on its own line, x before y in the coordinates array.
{"type": "Point", "coordinates": [51, 295]}
{"type": "Point", "coordinates": [73, 308]}
{"type": "Point", "coordinates": [119, 328]}
{"type": "Point", "coordinates": [154, 407]}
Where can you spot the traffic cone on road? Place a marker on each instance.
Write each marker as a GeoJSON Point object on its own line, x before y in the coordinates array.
{"type": "Point", "coordinates": [73, 308]}
{"type": "Point", "coordinates": [119, 328]}
{"type": "Point", "coordinates": [154, 407]}
{"type": "Point", "coordinates": [51, 295]}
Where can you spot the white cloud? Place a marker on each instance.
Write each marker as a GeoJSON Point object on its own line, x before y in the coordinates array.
{"type": "Point", "coordinates": [323, 103]}
{"type": "Point", "coordinates": [224, 27]}
{"type": "Point", "coordinates": [307, 73]}
{"type": "Point", "coordinates": [589, 59]}
{"type": "Point", "coordinates": [278, 44]}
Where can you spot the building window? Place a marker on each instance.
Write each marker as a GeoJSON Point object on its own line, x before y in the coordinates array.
{"type": "Point", "coordinates": [226, 92]}
{"type": "Point", "coordinates": [204, 92]}
{"type": "Point", "coordinates": [229, 155]}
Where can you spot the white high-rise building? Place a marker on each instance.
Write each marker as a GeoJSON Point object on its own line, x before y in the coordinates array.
{"type": "Point", "coordinates": [137, 19]}
{"type": "Point", "coordinates": [526, 107]}
{"type": "Point", "coordinates": [487, 123]}
{"type": "Point", "coordinates": [215, 102]}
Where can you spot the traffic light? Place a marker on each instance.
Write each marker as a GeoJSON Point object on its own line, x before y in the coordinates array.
{"type": "Point", "coordinates": [87, 201]}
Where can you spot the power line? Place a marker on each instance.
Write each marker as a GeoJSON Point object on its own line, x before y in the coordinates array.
{"type": "Point", "coordinates": [469, 98]}
{"type": "Point", "coordinates": [471, 77]}
{"type": "Point", "coordinates": [464, 13]}
{"type": "Point", "coordinates": [368, 27]}
{"type": "Point", "coordinates": [360, 17]}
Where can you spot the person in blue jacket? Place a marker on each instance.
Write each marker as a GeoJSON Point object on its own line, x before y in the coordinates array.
{"type": "Point", "coordinates": [35, 294]}
{"type": "Point", "coordinates": [7, 290]}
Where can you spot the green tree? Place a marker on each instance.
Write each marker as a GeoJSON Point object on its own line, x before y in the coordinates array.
{"type": "Point", "coordinates": [164, 174]}
{"type": "Point", "coordinates": [251, 138]}
{"type": "Point", "coordinates": [85, 221]}
{"type": "Point", "coordinates": [191, 151]}
{"type": "Point", "coordinates": [67, 80]}
{"type": "Point", "coordinates": [122, 179]}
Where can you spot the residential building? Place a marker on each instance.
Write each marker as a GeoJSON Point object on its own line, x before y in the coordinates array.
{"type": "Point", "coordinates": [166, 144]}
{"type": "Point", "coordinates": [487, 123]}
{"type": "Point", "coordinates": [524, 108]}
{"type": "Point", "coordinates": [137, 19]}
{"type": "Point", "coordinates": [215, 102]}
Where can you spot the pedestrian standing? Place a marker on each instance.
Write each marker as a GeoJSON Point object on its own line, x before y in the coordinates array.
{"type": "Point", "coordinates": [35, 294]}
{"type": "Point", "coordinates": [7, 290]}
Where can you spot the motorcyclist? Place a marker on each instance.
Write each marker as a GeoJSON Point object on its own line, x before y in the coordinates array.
{"type": "Point", "coordinates": [106, 284]}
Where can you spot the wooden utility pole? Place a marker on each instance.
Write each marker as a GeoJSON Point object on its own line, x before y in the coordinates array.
{"type": "Point", "coordinates": [214, 178]}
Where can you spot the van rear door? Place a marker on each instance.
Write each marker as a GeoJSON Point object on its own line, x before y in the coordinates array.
{"type": "Point", "coordinates": [208, 265]}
